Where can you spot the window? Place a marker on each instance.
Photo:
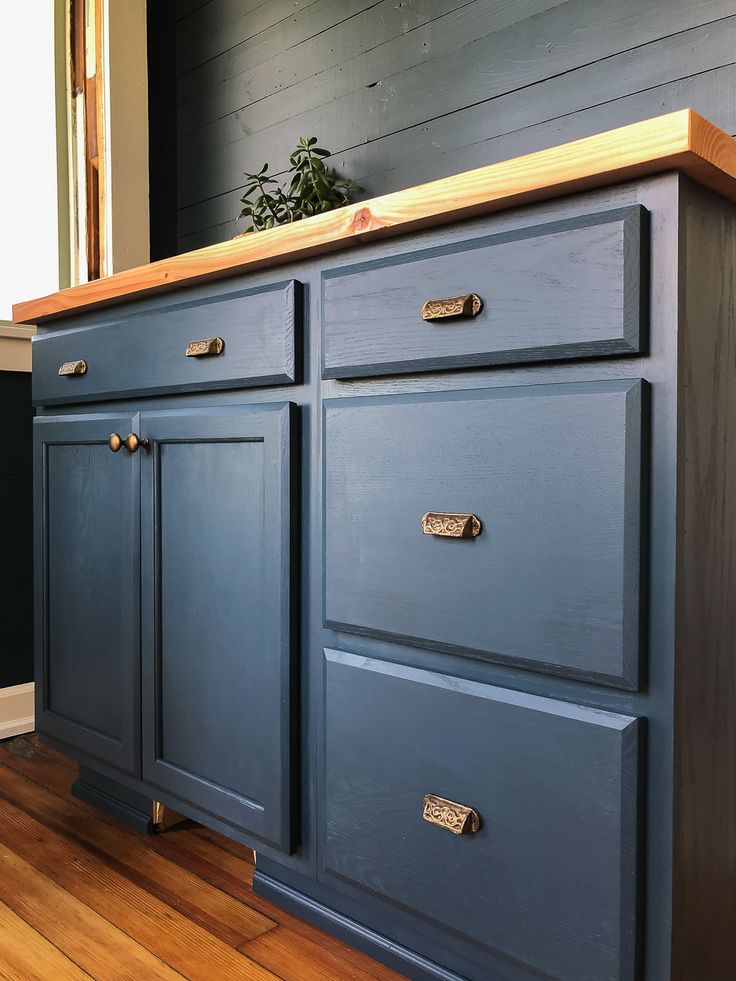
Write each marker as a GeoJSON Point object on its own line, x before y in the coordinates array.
{"type": "Point", "coordinates": [107, 132]}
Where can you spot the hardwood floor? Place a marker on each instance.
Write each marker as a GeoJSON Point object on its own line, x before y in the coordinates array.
{"type": "Point", "coordinates": [83, 896]}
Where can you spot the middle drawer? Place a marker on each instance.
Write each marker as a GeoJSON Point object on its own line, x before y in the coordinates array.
{"type": "Point", "coordinates": [501, 523]}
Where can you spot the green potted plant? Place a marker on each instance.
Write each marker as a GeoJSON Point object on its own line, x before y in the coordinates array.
{"type": "Point", "coordinates": [311, 188]}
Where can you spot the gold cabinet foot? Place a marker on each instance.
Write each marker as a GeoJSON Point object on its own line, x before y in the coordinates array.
{"type": "Point", "coordinates": [164, 817]}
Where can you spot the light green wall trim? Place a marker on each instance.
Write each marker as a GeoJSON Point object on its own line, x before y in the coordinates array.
{"type": "Point", "coordinates": [15, 347]}
{"type": "Point", "coordinates": [62, 148]}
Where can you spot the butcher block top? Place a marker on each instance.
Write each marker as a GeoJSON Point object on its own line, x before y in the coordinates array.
{"type": "Point", "coordinates": [682, 140]}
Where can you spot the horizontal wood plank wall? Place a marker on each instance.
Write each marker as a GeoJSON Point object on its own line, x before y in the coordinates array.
{"type": "Point", "coordinates": [406, 91]}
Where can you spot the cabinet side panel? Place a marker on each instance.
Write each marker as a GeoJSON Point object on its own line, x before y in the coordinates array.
{"type": "Point", "coordinates": [705, 749]}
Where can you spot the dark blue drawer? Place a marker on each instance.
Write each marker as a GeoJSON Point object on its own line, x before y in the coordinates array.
{"type": "Point", "coordinates": [553, 475]}
{"type": "Point", "coordinates": [549, 878]}
{"type": "Point", "coordinates": [145, 352]}
{"type": "Point", "coordinates": [567, 289]}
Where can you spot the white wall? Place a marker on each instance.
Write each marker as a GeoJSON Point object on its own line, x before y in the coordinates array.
{"type": "Point", "coordinates": [29, 239]}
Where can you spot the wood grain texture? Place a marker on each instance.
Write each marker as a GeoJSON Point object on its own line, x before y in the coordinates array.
{"type": "Point", "coordinates": [298, 956]}
{"type": "Point", "coordinates": [27, 956]}
{"type": "Point", "coordinates": [704, 863]}
{"type": "Point", "coordinates": [88, 938]}
{"type": "Point", "coordinates": [681, 140]}
{"type": "Point", "coordinates": [76, 899]}
{"type": "Point", "coordinates": [171, 936]}
{"type": "Point", "coordinates": [219, 914]}
{"type": "Point", "coordinates": [218, 861]}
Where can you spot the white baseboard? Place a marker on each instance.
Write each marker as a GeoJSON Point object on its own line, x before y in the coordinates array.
{"type": "Point", "coordinates": [16, 710]}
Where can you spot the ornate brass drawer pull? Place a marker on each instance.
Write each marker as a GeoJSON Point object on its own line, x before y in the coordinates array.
{"type": "Point", "coordinates": [465, 305]}
{"type": "Point", "coordinates": [451, 525]}
{"type": "Point", "coordinates": [207, 347]}
{"type": "Point", "coordinates": [458, 818]}
{"type": "Point", "coordinates": [132, 442]}
{"type": "Point", "coordinates": [73, 368]}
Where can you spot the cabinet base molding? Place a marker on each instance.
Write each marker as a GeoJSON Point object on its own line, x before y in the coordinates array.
{"type": "Point", "coordinates": [374, 944]}
{"type": "Point", "coordinates": [16, 710]}
{"type": "Point", "coordinates": [132, 809]}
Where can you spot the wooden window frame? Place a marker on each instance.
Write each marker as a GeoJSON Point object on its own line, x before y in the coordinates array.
{"type": "Point", "coordinates": [107, 136]}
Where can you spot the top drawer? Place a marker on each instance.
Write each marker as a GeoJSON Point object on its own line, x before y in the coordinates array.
{"type": "Point", "coordinates": [146, 352]}
{"type": "Point", "coordinates": [567, 289]}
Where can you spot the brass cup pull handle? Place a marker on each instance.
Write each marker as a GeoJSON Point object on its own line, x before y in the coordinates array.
{"type": "Point", "coordinates": [457, 818]}
{"type": "Point", "coordinates": [207, 347]}
{"type": "Point", "coordinates": [448, 525]}
{"type": "Point", "coordinates": [132, 442]}
{"type": "Point", "coordinates": [73, 368]}
{"type": "Point", "coordinates": [452, 307]}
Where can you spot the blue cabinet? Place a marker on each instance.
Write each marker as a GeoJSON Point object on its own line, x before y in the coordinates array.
{"type": "Point", "coordinates": [553, 476]}
{"type": "Point", "coordinates": [546, 873]}
{"type": "Point", "coordinates": [216, 612]}
{"type": "Point", "coordinates": [87, 540]}
{"type": "Point", "coordinates": [469, 573]}
{"type": "Point", "coordinates": [200, 517]}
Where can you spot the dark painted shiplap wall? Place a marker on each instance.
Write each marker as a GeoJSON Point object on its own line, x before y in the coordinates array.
{"type": "Point", "coordinates": [408, 90]}
{"type": "Point", "coordinates": [16, 531]}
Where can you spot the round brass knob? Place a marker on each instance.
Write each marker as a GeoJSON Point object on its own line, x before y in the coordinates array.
{"type": "Point", "coordinates": [115, 442]}
{"type": "Point", "coordinates": [133, 443]}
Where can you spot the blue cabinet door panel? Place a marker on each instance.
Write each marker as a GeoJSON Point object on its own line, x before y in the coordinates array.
{"type": "Point", "coordinates": [216, 532]}
{"type": "Point", "coordinates": [87, 603]}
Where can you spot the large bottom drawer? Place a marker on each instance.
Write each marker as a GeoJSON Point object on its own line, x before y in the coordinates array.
{"type": "Point", "coordinates": [544, 872]}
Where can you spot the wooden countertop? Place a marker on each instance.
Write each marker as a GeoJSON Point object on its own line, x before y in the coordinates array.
{"type": "Point", "coordinates": [678, 141]}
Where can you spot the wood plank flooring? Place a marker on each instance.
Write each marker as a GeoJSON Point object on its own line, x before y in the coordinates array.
{"type": "Point", "coordinates": [83, 896]}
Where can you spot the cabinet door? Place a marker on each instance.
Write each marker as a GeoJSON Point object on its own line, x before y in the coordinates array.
{"type": "Point", "coordinates": [216, 529]}
{"type": "Point", "coordinates": [88, 587]}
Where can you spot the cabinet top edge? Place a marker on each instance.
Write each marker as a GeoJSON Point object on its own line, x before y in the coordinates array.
{"type": "Point", "coordinates": [681, 140]}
